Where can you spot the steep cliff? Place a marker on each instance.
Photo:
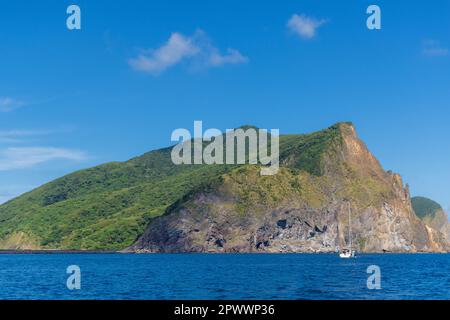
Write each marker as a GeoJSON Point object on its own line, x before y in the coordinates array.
{"type": "Point", "coordinates": [324, 177]}
{"type": "Point", "coordinates": [148, 204]}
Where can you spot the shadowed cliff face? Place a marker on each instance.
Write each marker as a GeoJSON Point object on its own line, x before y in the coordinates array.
{"type": "Point", "coordinates": [324, 177]}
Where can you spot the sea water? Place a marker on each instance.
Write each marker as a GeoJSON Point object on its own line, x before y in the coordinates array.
{"type": "Point", "coordinates": [224, 276]}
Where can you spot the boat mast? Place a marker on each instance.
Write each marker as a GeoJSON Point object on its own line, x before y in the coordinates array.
{"type": "Point", "coordinates": [350, 226]}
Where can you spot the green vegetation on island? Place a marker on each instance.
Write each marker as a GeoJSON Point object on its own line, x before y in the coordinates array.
{"type": "Point", "coordinates": [148, 203]}
{"type": "Point", "coordinates": [425, 207]}
{"type": "Point", "coordinates": [109, 206]}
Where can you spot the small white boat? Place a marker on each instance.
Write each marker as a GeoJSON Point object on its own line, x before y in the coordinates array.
{"type": "Point", "coordinates": [348, 252]}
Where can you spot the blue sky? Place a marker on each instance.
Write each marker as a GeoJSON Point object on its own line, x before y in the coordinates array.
{"type": "Point", "coordinates": [137, 70]}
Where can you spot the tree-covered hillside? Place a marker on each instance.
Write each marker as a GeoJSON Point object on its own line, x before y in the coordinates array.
{"type": "Point", "coordinates": [109, 206]}
{"type": "Point", "coordinates": [425, 207]}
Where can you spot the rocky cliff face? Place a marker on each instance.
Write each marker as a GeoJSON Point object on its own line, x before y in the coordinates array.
{"type": "Point", "coordinates": [439, 222]}
{"type": "Point", "coordinates": [324, 177]}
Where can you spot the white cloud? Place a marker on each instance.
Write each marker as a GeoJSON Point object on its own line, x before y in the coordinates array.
{"type": "Point", "coordinates": [17, 136]}
{"type": "Point", "coordinates": [304, 26]}
{"type": "Point", "coordinates": [174, 51]}
{"type": "Point", "coordinates": [22, 158]}
{"type": "Point", "coordinates": [9, 104]}
{"type": "Point", "coordinates": [232, 57]}
{"type": "Point", "coordinates": [433, 48]}
{"type": "Point", "coordinates": [196, 50]}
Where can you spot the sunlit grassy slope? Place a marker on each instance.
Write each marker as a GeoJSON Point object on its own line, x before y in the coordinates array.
{"type": "Point", "coordinates": [109, 206]}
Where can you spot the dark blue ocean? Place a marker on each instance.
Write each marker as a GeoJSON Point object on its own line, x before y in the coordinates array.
{"type": "Point", "coordinates": [224, 276]}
